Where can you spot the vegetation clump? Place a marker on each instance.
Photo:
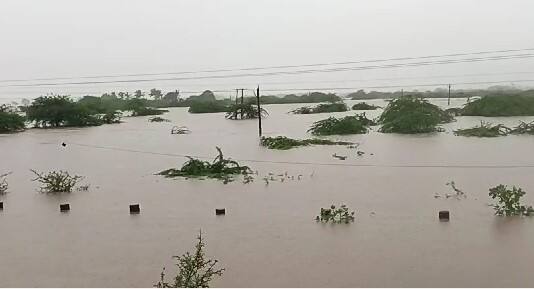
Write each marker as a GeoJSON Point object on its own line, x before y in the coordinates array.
{"type": "Point", "coordinates": [220, 168]}
{"type": "Point", "coordinates": [285, 143]}
{"type": "Point", "coordinates": [500, 105]}
{"type": "Point", "coordinates": [321, 108]}
{"type": "Point", "coordinates": [245, 111]}
{"type": "Point", "coordinates": [56, 181]}
{"type": "Point", "coordinates": [194, 270]}
{"type": "Point", "coordinates": [485, 129]}
{"type": "Point", "coordinates": [509, 201]}
{"type": "Point", "coordinates": [356, 124]}
{"type": "Point", "coordinates": [180, 130]}
{"type": "Point", "coordinates": [365, 106]}
{"type": "Point", "coordinates": [411, 115]}
{"type": "Point", "coordinates": [3, 183]}
{"type": "Point", "coordinates": [333, 215]}
{"type": "Point", "coordinates": [523, 128]}
{"type": "Point", "coordinates": [158, 119]}
{"type": "Point", "coordinates": [208, 107]}
{"type": "Point", "coordinates": [10, 121]}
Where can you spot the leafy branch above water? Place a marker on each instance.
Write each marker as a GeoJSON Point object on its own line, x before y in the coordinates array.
{"type": "Point", "coordinates": [509, 201]}
{"type": "Point", "coordinates": [56, 181]}
{"type": "Point", "coordinates": [333, 215]}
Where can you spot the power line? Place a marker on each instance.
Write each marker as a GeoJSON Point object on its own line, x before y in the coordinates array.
{"type": "Point", "coordinates": [313, 163]}
{"type": "Point", "coordinates": [449, 61]}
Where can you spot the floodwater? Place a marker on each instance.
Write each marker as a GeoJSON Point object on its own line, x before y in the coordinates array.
{"type": "Point", "coordinates": [268, 236]}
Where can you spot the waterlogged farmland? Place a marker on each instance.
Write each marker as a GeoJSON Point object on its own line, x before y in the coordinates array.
{"type": "Point", "coordinates": [269, 235]}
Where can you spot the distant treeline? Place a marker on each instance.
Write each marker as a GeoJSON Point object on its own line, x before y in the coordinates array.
{"type": "Point", "coordinates": [441, 93]}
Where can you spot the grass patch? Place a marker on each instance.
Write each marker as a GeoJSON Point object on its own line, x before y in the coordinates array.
{"type": "Point", "coordinates": [321, 108]}
{"type": "Point", "coordinates": [285, 143]}
{"type": "Point", "coordinates": [364, 106]}
{"type": "Point", "coordinates": [221, 169]}
{"type": "Point", "coordinates": [411, 115]}
{"type": "Point", "coordinates": [356, 124]}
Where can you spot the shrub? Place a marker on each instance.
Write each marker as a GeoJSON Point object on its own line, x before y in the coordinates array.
{"type": "Point", "coordinates": [523, 128]}
{"type": "Point", "coordinates": [3, 183]}
{"type": "Point", "coordinates": [56, 182]}
{"type": "Point", "coordinates": [10, 121]}
{"type": "Point", "coordinates": [411, 115]}
{"type": "Point", "coordinates": [500, 105]}
{"type": "Point", "coordinates": [220, 168]}
{"type": "Point", "coordinates": [208, 107]}
{"type": "Point", "coordinates": [485, 129]}
{"type": "Point", "coordinates": [60, 110]}
{"type": "Point", "coordinates": [322, 108]}
{"type": "Point", "coordinates": [158, 119]}
{"type": "Point", "coordinates": [509, 201]}
{"type": "Point", "coordinates": [355, 124]}
{"type": "Point", "coordinates": [180, 130]}
{"type": "Point", "coordinates": [194, 270]}
{"type": "Point", "coordinates": [111, 117]}
{"type": "Point", "coordinates": [364, 106]}
{"type": "Point", "coordinates": [339, 215]}
{"type": "Point", "coordinates": [285, 143]}
{"type": "Point", "coordinates": [245, 111]}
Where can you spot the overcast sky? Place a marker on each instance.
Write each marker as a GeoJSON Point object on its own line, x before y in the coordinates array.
{"type": "Point", "coordinates": [69, 38]}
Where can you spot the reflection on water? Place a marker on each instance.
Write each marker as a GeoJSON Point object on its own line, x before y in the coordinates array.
{"type": "Point", "coordinates": [268, 236]}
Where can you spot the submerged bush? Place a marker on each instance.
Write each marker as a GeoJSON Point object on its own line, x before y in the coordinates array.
{"type": "Point", "coordinates": [194, 270]}
{"type": "Point", "coordinates": [523, 128]}
{"type": "Point", "coordinates": [355, 124]}
{"type": "Point", "coordinates": [339, 215]}
{"type": "Point", "coordinates": [10, 121]}
{"type": "Point", "coordinates": [509, 201]}
{"type": "Point", "coordinates": [321, 108]}
{"type": "Point", "coordinates": [3, 183]}
{"type": "Point", "coordinates": [208, 107]}
{"type": "Point", "coordinates": [500, 105]}
{"type": "Point", "coordinates": [56, 182]}
{"type": "Point", "coordinates": [364, 106]}
{"type": "Point", "coordinates": [245, 111]}
{"type": "Point", "coordinates": [158, 119]}
{"type": "Point", "coordinates": [485, 129]}
{"type": "Point", "coordinates": [220, 168]}
{"type": "Point", "coordinates": [180, 130]}
{"type": "Point", "coordinates": [285, 143]}
{"type": "Point", "coordinates": [410, 114]}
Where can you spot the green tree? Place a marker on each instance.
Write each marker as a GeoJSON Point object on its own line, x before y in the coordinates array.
{"type": "Point", "coordinates": [138, 94]}
{"type": "Point", "coordinates": [60, 110]}
{"type": "Point", "coordinates": [155, 93]}
{"type": "Point", "coordinates": [10, 121]}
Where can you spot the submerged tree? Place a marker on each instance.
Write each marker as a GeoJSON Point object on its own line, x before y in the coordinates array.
{"type": "Point", "coordinates": [3, 183]}
{"type": "Point", "coordinates": [333, 215]}
{"type": "Point", "coordinates": [485, 129]}
{"type": "Point", "coordinates": [356, 124]}
{"type": "Point", "coordinates": [194, 270]}
{"type": "Point", "coordinates": [322, 108]}
{"type": "Point", "coordinates": [56, 181]}
{"type": "Point", "coordinates": [60, 110]}
{"type": "Point", "coordinates": [410, 114]}
{"type": "Point", "coordinates": [245, 111]}
{"type": "Point", "coordinates": [10, 120]}
{"type": "Point", "coordinates": [509, 201]}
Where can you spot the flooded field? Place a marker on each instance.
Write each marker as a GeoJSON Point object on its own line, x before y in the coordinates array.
{"type": "Point", "coordinates": [268, 237]}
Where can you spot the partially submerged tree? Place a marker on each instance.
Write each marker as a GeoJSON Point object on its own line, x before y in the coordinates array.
{"type": "Point", "coordinates": [208, 106]}
{"type": "Point", "coordinates": [335, 215]}
{"type": "Point", "coordinates": [500, 105]}
{"type": "Point", "coordinates": [10, 120]}
{"type": "Point", "coordinates": [485, 129]}
{"type": "Point", "coordinates": [158, 119]}
{"type": "Point", "coordinates": [356, 124]}
{"type": "Point", "coordinates": [56, 181]}
{"type": "Point", "coordinates": [3, 183]}
{"type": "Point", "coordinates": [410, 115]}
{"type": "Point", "coordinates": [365, 106]}
{"type": "Point", "coordinates": [245, 111]}
{"type": "Point", "coordinates": [509, 201]}
{"type": "Point", "coordinates": [194, 270]}
{"type": "Point", "coordinates": [220, 168]}
{"type": "Point", "coordinates": [285, 143]}
{"type": "Point", "coordinates": [322, 108]}
{"type": "Point", "coordinates": [180, 130]}
{"type": "Point", "coordinates": [61, 110]}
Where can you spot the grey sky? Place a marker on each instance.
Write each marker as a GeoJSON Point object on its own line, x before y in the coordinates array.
{"type": "Point", "coordinates": [64, 38]}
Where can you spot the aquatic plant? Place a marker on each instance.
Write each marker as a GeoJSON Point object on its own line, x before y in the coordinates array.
{"type": "Point", "coordinates": [411, 115]}
{"type": "Point", "coordinates": [158, 119]}
{"type": "Point", "coordinates": [208, 107]}
{"type": "Point", "coordinates": [10, 121]}
{"type": "Point", "coordinates": [56, 181]}
{"type": "Point", "coordinates": [3, 183]}
{"type": "Point", "coordinates": [356, 124]}
{"type": "Point", "coordinates": [500, 105]}
{"type": "Point", "coordinates": [220, 168]}
{"type": "Point", "coordinates": [364, 106]}
{"type": "Point", "coordinates": [321, 108]}
{"type": "Point", "coordinates": [194, 270]}
{"type": "Point", "coordinates": [509, 201]}
{"type": "Point", "coordinates": [180, 130]}
{"type": "Point", "coordinates": [485, 129]}
{"type": "Point", "coordinates": [333, 215]}
{"type": "Point", "coordinates": [245, 111]}
{"type": "Point", "coordinates": [285, 143]}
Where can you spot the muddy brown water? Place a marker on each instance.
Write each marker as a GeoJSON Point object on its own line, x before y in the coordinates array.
{"type": "Point", "coordinates": [268, 236]}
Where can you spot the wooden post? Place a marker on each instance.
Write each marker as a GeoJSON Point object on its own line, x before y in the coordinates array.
{"type": "Point", "coordinates": [259, 110]}
{"type": "Point", "coordinates": [236, 103]}
{"type": "Point", "coordinates": [242, 102]}
{"type": "Point", "coordinates": [449, 99]}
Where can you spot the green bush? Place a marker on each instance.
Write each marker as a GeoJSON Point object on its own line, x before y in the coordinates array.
{"type": "Point", "coordinates": [509, 201]}
{"type": "Point", "coordinates": [412, 115]}
{"type": "Point", "coordinates": [484, 130]}
{"type": "Point", "coordinates": [364, 106]}
{"type": "Point", "coordinates": [500, 105]}
{"type": "Point", "coordinates": [356, 124]}
{"type": "Point", "coordinates": [56, 182]}
{"type": "Point", "coordinates": [322, 108]}
{"type": "Point", "coordinates": [60, 110]}
{"type": "Point", "coordinates": [285, 143]}
{"type": "Point", "coordinates": [208, 107]}
{"type": "Point", "coordinates": [333, 215]}
{"type": "Point", "coordinates": [245, 111]}
{"type": "Point", "coordinates": [10, 121]}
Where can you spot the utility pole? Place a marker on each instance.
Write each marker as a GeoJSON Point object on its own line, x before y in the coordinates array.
{"type": "Point", "coordinates": [259, 110]}
{"type": "Point", "coordinates": [242, 102]}
{"type": "Point", "coordinates": [236, 97]}
{"type": "Point", "coordinates": [402, 92]}
{"type": "Point", "coordinates": [449, 99]}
